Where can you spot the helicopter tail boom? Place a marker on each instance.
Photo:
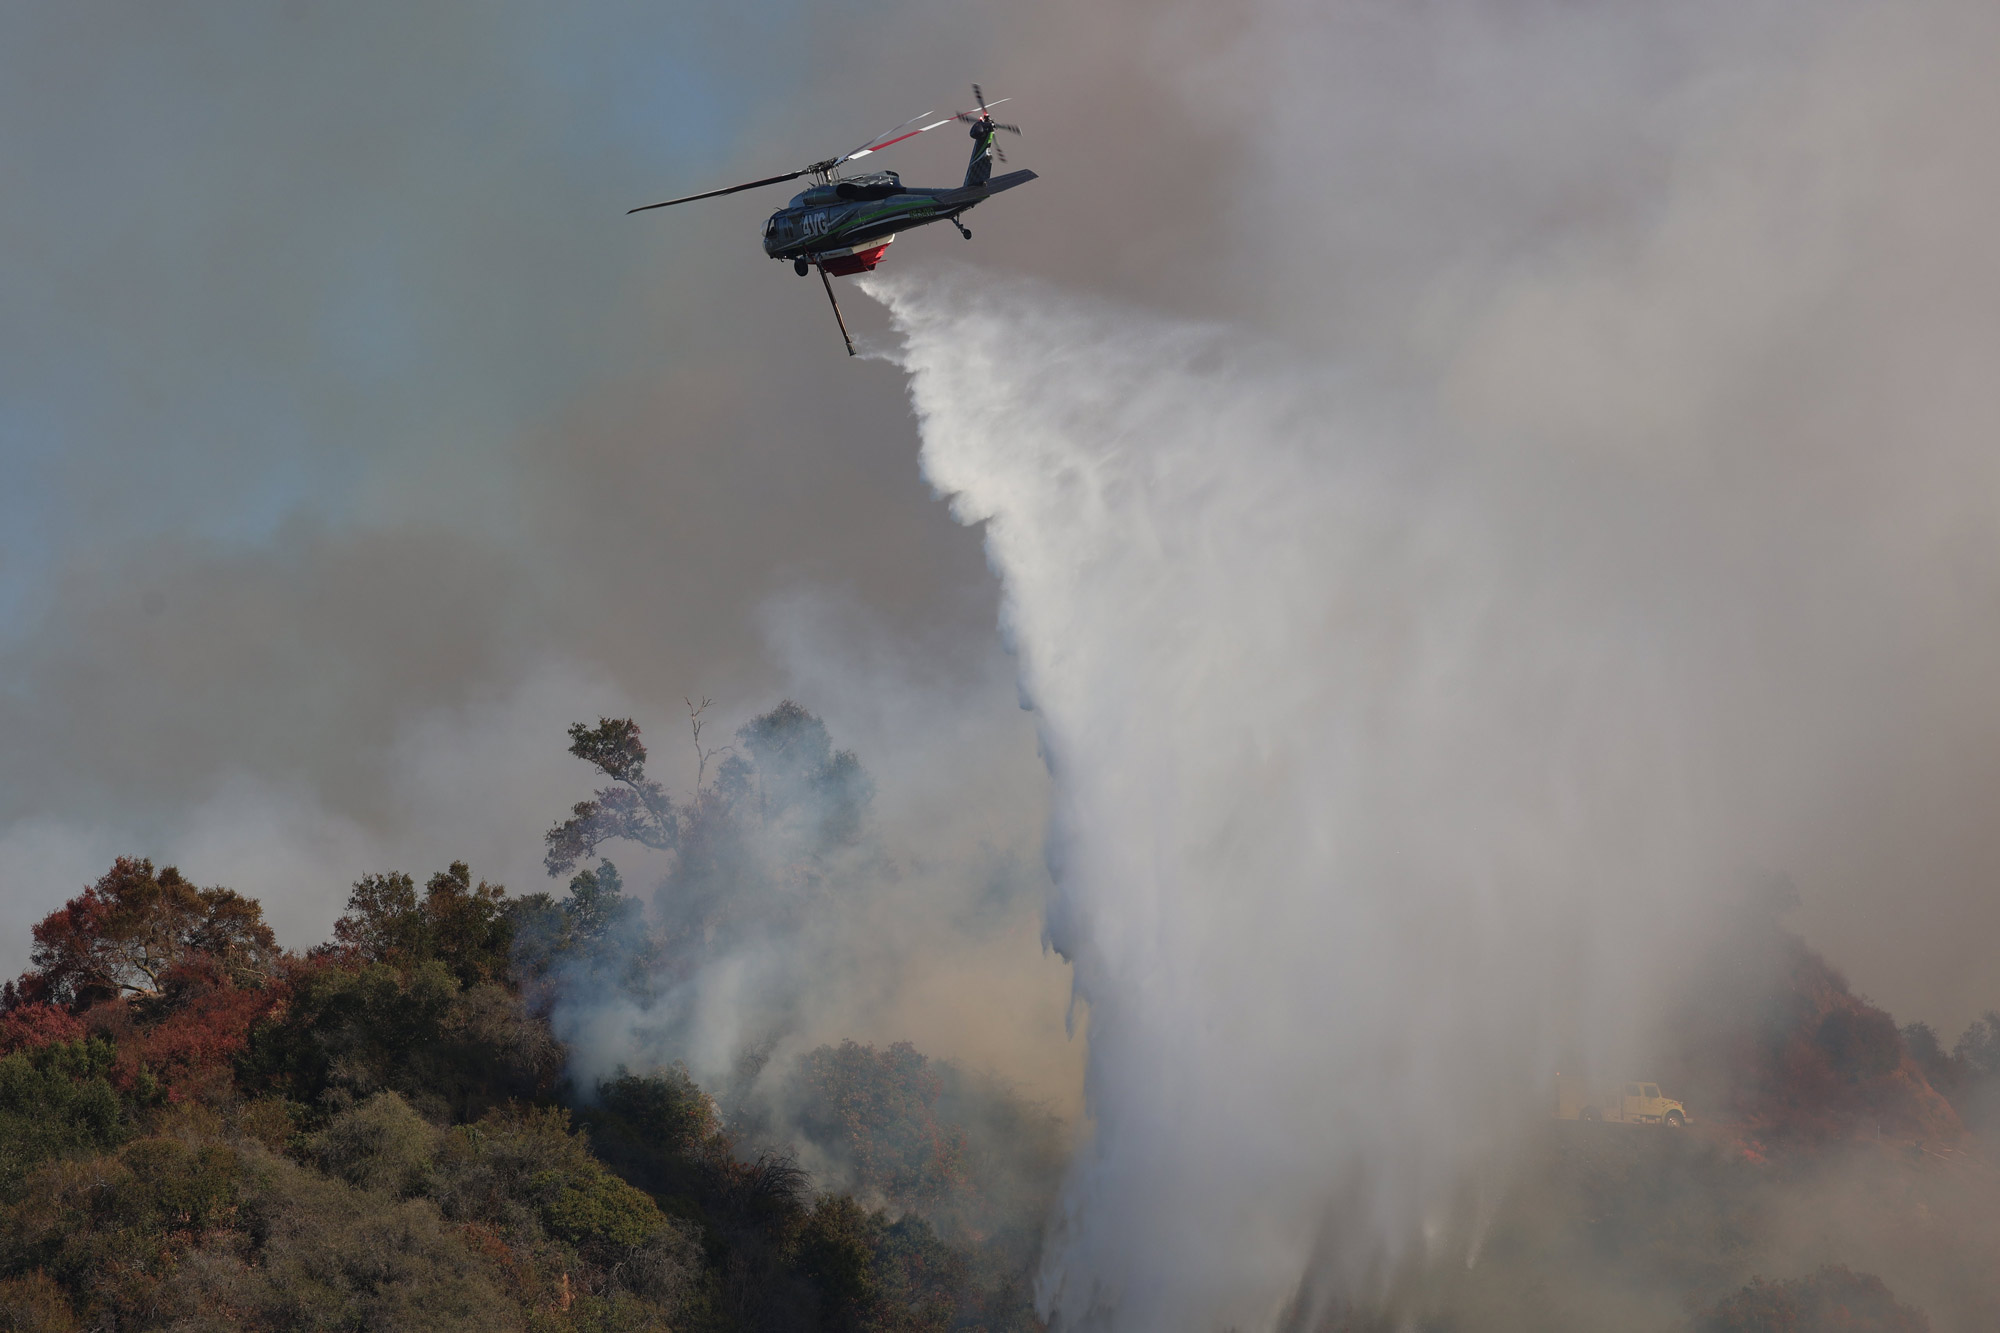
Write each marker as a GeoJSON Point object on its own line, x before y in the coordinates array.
{"type": "Point", "coordinates": [967, 196]}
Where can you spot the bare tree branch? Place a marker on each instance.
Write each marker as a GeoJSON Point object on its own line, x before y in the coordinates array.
{"type": "Point", "coordinates": [695, 710]}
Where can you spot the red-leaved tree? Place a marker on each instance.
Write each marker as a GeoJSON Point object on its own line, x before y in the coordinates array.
{"type": "Point", "coordinates": [123, 935]}
{"type": "Point", "coordinates": [27, 1027]}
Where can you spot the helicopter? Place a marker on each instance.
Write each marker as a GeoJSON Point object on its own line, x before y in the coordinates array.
{"type": "Point", "coordinates": [842, 225]}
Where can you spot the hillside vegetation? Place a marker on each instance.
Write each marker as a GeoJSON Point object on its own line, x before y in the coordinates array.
{"type": "Point", "coordinates": [200, 1129]}
{"type": "Point", "coordinates": [1827, 1185]}
{"type": "Point", "coordinates": [203, 1130]}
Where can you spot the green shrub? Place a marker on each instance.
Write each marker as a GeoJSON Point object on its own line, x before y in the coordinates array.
{"type": "Point", "coordinates": [594, 1209]}
{"type": "Point", "coordinates": [453, 1052]}
{"type": "Point", "coordinates": [666, 1105]}
{"type": "Point", "coordinates": [382, 1144]}
{"type": "Point", "coordinates": [57, 1101]}
{"type": "Point", "coordinates": [313, 1252]}
{"type": "Point", "coordinates": [836, 1253]}
{"type": "Point", "coordinates": [526, 1173]}
{"type": "Point", "coordinates": [271, 1121]}
{"type": "Point", "coordinates": [175, 1187]}
{"type": "Point", "coordinates": [663, 1133]}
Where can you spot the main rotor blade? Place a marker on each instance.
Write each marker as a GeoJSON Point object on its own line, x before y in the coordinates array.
{"type": "Point", "coordinates": [876, 148]}
{"type": "Point", "coordinates": [710, 194]}
{"type": "Point", "coordinates": [879, 140]}
{"type": "Point", "coordinates": [872, 146]}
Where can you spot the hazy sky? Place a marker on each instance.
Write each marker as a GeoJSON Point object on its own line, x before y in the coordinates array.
{"type": "Point", "coordinates": [356, 440]}
{"type": "Point", "coordinates": [340, 396]}
{"type": "Point", "coordinates": [359, 441]}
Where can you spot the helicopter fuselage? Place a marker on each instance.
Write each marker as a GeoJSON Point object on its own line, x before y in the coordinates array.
{"type": "Point", "coordinates": [844, 225]}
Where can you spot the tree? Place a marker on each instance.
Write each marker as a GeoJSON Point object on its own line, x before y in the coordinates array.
{"type": "Point", "coordinates": [465, 926]}
{"type": "Point", "coordinates": [876, 1112]}
{"type": "Point", "coordinates": [798, 771]}
{"type": "Point", "coordinates": [453, 1050]}
{"type": "Point", "coordinates": [789, 772]}
{"type": "Point", "coordinates": [1945, 1071]}
{"type": "Point", "coordinates": [750, 850]}
{"type": "Point", "coordinates": [597, 908]}
{"type": "Point", "coordinates": [383, 919]}
{"type": "Point", "coordinates": [633, 807]}
{"type": "Point", "coordinates": [1860, 1042]}
{"type": "Point", "coordinates": [836, 1251]}
{"type": "Point", "coordinates": [595, 936]}
{"type": "Point", "coordinates": [124, 934]}
{"type": "Point", "coordinates": [878, 1275]}
{"type": "Point", "coordinates": [1978, 1047]}
{"type": "Point", "coordinates": [26, 1027]}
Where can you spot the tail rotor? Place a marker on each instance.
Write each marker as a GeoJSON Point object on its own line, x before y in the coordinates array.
{"type": "Point", "coordinates": [985, 117]}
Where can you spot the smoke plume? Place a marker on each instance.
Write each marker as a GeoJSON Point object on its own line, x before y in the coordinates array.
{"type": "Point", "coordinates": [1413, 708]}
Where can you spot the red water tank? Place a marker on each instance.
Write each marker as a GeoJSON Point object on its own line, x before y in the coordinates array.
{"type": "Point", "coordinates": [860, 261]}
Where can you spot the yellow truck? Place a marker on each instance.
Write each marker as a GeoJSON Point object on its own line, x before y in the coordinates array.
{"type": "Point", "coordinates": [1631, 1103]}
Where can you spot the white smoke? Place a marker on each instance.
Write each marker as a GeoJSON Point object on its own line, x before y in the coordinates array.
{"type": "Point", "coordinates": [924, 929]}
{"type": "Point", "coordinates": [1406, 727]}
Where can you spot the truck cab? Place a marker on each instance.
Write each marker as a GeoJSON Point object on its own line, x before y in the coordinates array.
{"type": "Point", "coordinates": [1643, 1102]}
{"type": "Point", "coordinates": [1635, 1102]}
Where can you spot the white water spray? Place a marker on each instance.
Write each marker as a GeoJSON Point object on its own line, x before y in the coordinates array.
{"type": "Point", "coordinates": [1347, 811]}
